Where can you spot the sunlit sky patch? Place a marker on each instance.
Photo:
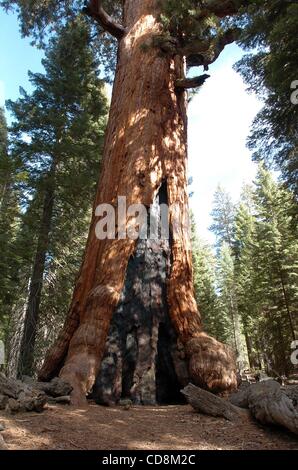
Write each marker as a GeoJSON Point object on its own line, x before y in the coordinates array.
{"type": "Point", "coordinates": [220, 116]}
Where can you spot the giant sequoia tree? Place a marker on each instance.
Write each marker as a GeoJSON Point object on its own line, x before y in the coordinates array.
{"type": "Point", "coordinates": [133, 322]}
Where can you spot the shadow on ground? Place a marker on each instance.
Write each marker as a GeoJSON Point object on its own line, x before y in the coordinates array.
{"type": "Point", "coordinates": [139, 428]}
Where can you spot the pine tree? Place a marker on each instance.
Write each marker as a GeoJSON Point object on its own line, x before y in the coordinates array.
{"type": "Point", "coordinates": [5, 165]}
{"type": "Point", "coordinates": [223, 227]}
{"type": "Point", "coordinates": [257, 274]}
{"type": "Point", "coordinates": [228, 303]}
{"type": "Point", "coordinates": [269, 33]}
{"type": "Point", "coordinates": [277, 272]}
{"type": "Point", "coordinates": [204, 265]}
{"type": "Point", "coordinates": [9, 212]}
{"type": "Point", "coordinates": [223, 217]}
{"type": "Point", "coordinates": [63, 120]}
{"type": "Point", "coordinates": [246, 264]}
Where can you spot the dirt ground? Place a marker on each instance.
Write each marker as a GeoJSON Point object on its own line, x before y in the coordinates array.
{"type": "Point", "coordinates": [139, 428]}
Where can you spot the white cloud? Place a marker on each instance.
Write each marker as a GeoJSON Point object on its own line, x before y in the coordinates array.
{"type": "Point", "coordinates": [219, 121]}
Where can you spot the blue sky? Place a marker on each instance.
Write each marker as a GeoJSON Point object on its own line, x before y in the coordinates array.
{"type": "Point", "coordinates": [220, 116]}
{"type": "Point", "coordinates": [16, 58]}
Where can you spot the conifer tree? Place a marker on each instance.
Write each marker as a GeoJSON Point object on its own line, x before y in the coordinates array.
{"type": "Point", "coordinates": [223, 227]}
{"type": "Point", "coordinates": [245, 266]}
{"type": "Point", "coordinates": [204, 264]}
{"type": "Point", "coordinates": [228, 303]}
{"type": "Point", "coordinates": [277, 272]}
{"type": "Point", "coordinates": [269, 34]}
{"type": "Point", "coordinates": [9, 211]}
{"type": "Point", "coordinates": [63, 121]}
{"type": "Point", "coordinates": [223, 218]}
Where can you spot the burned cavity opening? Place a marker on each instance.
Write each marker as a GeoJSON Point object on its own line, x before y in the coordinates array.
{"type": "Point", "coordinates": [142, 360]}
{"type": "Point", "coordinates": [168, 385]}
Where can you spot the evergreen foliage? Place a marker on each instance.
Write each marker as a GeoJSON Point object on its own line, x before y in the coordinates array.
{"type": "Point", "coordinates": [254, 287]}
{"type": "Point", "coordinates": [56, 137]}
{"type": "Point", "coordinates": [269, 34]}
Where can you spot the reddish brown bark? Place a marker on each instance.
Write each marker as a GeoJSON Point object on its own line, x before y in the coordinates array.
{"type": "Point", "coordinates": [146, 144]}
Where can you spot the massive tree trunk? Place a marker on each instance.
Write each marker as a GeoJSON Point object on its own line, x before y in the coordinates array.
{"type": "Point", "coordinates": [26, 355]}
{"type": "Point", "coordinates": [145, 155]}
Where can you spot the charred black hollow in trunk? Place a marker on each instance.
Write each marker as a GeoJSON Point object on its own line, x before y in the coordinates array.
{"type": "Point", "coordinates": [143, 360]}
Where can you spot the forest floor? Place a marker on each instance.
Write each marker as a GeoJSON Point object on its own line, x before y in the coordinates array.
{"type": "Point", "coordinates": [138, 428]}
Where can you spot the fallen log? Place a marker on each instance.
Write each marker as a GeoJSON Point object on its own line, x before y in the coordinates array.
{"type": "Point", "coordinates": [269, 404]}
{"type": "Point", "coordinates": [56, 388]}
{"type": "Point", "coordinates": [292, 393]}
{"type": "Point", "coordinates": [18, 396]}
{"type": "Point", "coordinates": [29, 395]}
{"type": "Point", "coordinates": [3, 445]}
{"type": "Point", "coordinates": [60, 400]}
{"type": "Point", "coordinates": [207, 403]}
{"type": "Point", "coordinates": [266, 401]}
{"type": "Point", "coordinates": [3, 402]}
{"type": "Point", "coordinates": [240, 397]}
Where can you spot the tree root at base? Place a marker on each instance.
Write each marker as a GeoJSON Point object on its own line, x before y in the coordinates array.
{"type": "Point", "coordinates": [212, 364]}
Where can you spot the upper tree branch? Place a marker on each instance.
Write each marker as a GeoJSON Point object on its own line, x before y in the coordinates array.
{"type": "Point", "coordinates": [194, 82]}
{"type": "Point", "coordinates": [206, 53]}
{"type": "Point", "coordinates": [221, 8]}
{"type": "Point", "coordinates": [95, 10]}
